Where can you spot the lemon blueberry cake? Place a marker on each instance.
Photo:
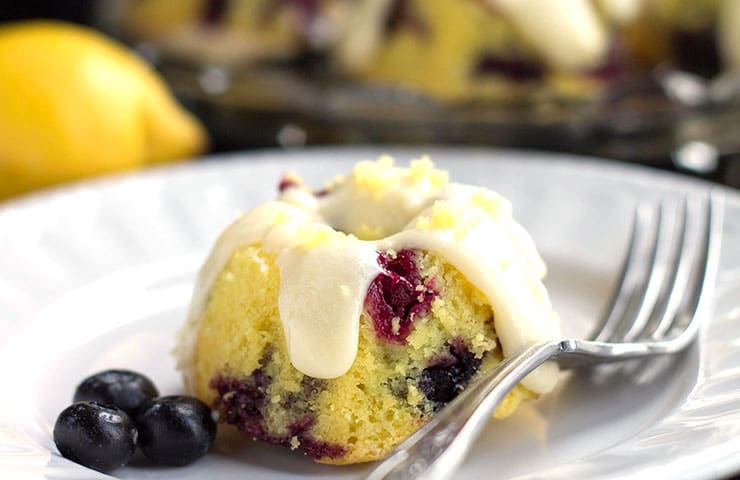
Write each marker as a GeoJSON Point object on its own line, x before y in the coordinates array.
{"type": "Point", "coordinates": [339, 321]}
{"type": "Point", "coordinates": [456, 50]}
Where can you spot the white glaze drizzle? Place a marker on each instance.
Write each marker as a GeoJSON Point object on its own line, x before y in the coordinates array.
{"type": "Point", "coordinates": [325, 274]}
{"type": "Point", "coordinates": [568, 34]}
{"type": "Point", "coordinates": [321, 289]}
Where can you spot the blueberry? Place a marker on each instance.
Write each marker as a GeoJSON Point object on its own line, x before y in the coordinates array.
{"type": "Point", "coordinates": [124, 389]}
{"type": "Point", "coordinates": [440, 384]}
{"type": "Point", "coordinates": [175, 430]}
{"type": "Point", "coordinates": [397, 296]}
{"type": "Point", "coordinates": [96, 436]}
{"type": "Point", "coordinates": [449, 375]}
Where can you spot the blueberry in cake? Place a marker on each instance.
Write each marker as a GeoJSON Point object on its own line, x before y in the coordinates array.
{"type": "Point", "coordinates": [339, 321]}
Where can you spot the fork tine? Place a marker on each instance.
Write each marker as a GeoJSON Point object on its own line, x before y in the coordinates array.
{"type": "Point", "coordinates": [660, 258]}
{"type": "Point", "coordinates": [670, 302]}
{"type": "Point", "coordinates": [628, 279]}
{"type": "Point", "coordinates": [681, 273]}
{"type": "Point", "coordinates": [697, 304]}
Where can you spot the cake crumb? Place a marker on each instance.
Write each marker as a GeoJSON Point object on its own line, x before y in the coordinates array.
{"type": "Point", "coordinates": [413, 396]}
{"type": "Point", "coordinates": [395, 325]}
{"type": "Point", "coordinates": [294, 442]}
{"type": "Point", "coordinates": [482, 344]}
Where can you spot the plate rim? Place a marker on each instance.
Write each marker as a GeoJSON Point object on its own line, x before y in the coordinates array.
{"type": "Point", "coordinates": [594, 166]}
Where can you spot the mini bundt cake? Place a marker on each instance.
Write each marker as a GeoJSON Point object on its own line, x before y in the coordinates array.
{"type": "Point", "coordinates": [339, 321]}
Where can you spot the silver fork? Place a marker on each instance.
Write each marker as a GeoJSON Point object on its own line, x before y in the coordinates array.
{"type": "Point", "coordinates": [662, 296]}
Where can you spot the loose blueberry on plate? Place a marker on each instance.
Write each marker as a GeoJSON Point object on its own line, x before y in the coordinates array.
{"type": "Point", "coordinates": [125, 389]}
{"type": "Point", "coordinates": [175, 430]}
{"type": "Point", "coordinates": [98, 436]}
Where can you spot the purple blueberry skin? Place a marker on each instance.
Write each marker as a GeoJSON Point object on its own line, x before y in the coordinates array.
{"type": "Point", "coordinates": [442, 381]}
{"type": "Point", "coordinates": [242, 403]}
{"type": "Point", "coordinates": [175, 430]}
{"type": "Point", "coordinates": [97, 436]}
{"type": "Point", "coordinates": [399, 291]}
{"type": "Point", "coordinates": [124, 389]}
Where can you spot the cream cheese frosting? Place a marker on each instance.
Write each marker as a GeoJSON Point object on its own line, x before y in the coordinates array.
{"type": "Point", "coordinates": [568, 34]}
{"type": "Point", "coordinates": [325, 273]}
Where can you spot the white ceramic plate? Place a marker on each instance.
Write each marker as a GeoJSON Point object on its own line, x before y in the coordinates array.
{"type": "Point", "coordinates": [99, 275]}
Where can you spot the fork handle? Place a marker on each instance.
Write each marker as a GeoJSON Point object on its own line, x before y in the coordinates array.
{"type": "Point", "coordinates": [438, 448]}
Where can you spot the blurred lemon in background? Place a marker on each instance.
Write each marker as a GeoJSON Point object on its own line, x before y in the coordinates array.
{"type": "Point", "coordinates": [75, 103]}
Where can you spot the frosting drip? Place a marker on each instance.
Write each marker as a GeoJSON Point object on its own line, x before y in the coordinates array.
{"type": "Point", "coordinates": [568, 34]}
{"type": "Point", "coordinates": [321, 288]}
{"type": "Point", "coordinates": [325, 273]}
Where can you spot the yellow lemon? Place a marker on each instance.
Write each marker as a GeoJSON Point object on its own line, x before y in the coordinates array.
{"type": "Point", "coordinates": [75, 103]}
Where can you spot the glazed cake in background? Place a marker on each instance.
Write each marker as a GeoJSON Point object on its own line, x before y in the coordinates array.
{"type": "Point", "coordinates": [450, 49]}
{"type": "Point", "coordinates": [338, 321]}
